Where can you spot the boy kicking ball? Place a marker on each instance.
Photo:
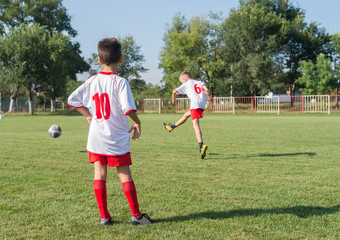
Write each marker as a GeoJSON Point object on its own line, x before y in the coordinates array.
{"type": "Point", "coordinates": [106, 100]}
{"type": "Point", "coordinates": [197, 92]}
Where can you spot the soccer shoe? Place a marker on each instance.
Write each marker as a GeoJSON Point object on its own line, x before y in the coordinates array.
{"type": "Point", "coordinates": [167, 127]}
{"type": "Point", "coordinates": [204, 151]}
{"type": "Point", "coordinates": [105, 221]}
{"type": "Point", "coordinates": [144, 220]}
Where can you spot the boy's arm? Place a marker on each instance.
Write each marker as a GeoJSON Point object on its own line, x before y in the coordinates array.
{"type": "Point", "coordinates": [136, 126]}
{"type": "Point", "coordinates": [85, 112]}
{"type": "Point", "coordinates": [205, 89]}
{"type": "Point", "coordinates": [174, 93]}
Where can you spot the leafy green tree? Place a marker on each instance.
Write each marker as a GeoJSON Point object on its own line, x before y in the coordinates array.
{"type": "Point", "coordinates": [252, 36]}
{"type": "Point", "coordinates": [265, 40]}
{"type": "Point", "coordinates": [318, 78]}
{"type": "Point", "coordinates": [64, 60]}
{"type": "Point", "coordinates": [49, 13]}
{"type": "Point", "coordinates": [23, 55]}
{"type": "Point", "coordinates": [70, 87]}
{"type": "Point", "coordinates": [151, 91]}
{"type": "Point", "coordinates": [305, 42]}
{"type": "Point", "coordinates": [137, 86]}
{"type": "Point", "coordinates": [133, 59]}
{"type": "Point", "coordinates": [335, 49]}
{"type": "Point", "coordinates": [193, 46]}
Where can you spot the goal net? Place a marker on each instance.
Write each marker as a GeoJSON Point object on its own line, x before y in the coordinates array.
{"type": "Point", "coordinates": [152, 105]}
{"type": "Point", "coordinates": [224, 105]}
{"type": "Point", "coordinates": [317, 104]}
{"type": "Point", "coordinates": [183, 105]}
{"type": "Point", "coordinates": [268, 104]}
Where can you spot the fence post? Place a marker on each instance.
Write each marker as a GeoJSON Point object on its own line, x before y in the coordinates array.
{"type": "Point", "coordinates": [142, 105]}
{"type": "Point", "coordinates": [176, 105]}
{"type": "Point", "coordinates": [233, 99]}
{"type": "Point", "coordinates": [278, 105]}
{"type": "Point", "coordinates": [213, 99]}
{"type": "Point", "coordinates": [329, 104]}
{"type": "Point", "coordinates": [255, 103]}
{"type": "Point", "coordinates": [303, 104]}
{"type": "Point", "coordinates": [159, 106]}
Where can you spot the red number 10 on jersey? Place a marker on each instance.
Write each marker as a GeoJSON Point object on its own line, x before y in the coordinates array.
{"type": "Point", "coordinates": [102, 103]}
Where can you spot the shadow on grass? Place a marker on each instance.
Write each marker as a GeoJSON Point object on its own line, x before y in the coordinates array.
{"type": "Point", "coordinates": [237, 156]}
{"type": "Point", "coordinates": [300, 211]}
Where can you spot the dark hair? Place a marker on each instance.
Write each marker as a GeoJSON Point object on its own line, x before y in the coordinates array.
{"type": "Point", "coordinates": [109, 50]}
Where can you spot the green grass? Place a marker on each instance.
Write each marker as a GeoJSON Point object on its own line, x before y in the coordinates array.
{"type": "Point", "coordinates": [265, 177]}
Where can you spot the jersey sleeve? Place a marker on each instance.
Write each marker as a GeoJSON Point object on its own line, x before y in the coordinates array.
{"type": "Point", "coordinates": [181, 89]}
{"type": "Point", "coordinates": [76, 98]}
{"type": "Point", "coordinates": [126, 99]}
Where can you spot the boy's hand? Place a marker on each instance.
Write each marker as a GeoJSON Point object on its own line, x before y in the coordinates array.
{"type": "Point", "coordinates": [173, 96]}
{"type": "Point", "coordinates": [89, 119]}
{"type": "Point", "coordinates": [206, 92]}
{"type": "Point", "coordinates": [137, 130]}
{"type": "Point", "coordinates": [85, 112]}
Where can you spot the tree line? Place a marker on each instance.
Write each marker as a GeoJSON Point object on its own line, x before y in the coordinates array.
{"type": "Point", "coordinates": [261, 46]}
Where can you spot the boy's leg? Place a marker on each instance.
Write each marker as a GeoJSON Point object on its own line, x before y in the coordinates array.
{"type": "Point", "coordinates": [130, 192]}
{"type": "Point", "coordinates": [182, 120]}
{"type": "Point", "coordinates": [196, 125]}
{"type": "Point", "coordinates": [203, 148]}
{"type": "Point", "coordinates": [99, 183]}
{"type": "Point", "coordinates": [129, 189]}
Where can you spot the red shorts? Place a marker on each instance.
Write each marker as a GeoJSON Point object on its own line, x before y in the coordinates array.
{"type": "Point", "coordinates": [196, 113]}
{"type": "Point", "coordinates": [111, 160]}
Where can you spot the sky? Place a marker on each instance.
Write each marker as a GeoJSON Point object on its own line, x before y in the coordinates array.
{"type": "Point", "coordinates": [146, 21]}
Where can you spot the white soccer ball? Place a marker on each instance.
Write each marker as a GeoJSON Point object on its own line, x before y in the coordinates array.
{"type": "Point", "coordinates": [54, 131]}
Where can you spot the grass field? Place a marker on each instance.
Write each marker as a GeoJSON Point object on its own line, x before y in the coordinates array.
{"type": "Point", "coordinates": [264, 177]}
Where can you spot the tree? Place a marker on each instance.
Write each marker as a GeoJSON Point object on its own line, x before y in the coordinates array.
{"type": "Point", "coordinates": [137, 86]}
{"type": "Point", "coordinates": [151, 91]}
{"type": "Point", "coordinates": [193, 46]}
{"type": "Point", "coordinates": [335, 49]}
{"type": "Point", "coordinates": [305, 42]}
{"type": "Point", "coordinates": [318, 78]}
{"type": "Point", "coordinates": [251, 42]}
{"type": "Point", "coordinates": [10, 80]}
{"type": "Point", "coordinates": [65, 60]}
{"type": "Point", "coordinates": [49, 13]}
{"type": "Point", "coordinates": [132, 65]}
{"type": "Point", "coordinates": [23, 55]}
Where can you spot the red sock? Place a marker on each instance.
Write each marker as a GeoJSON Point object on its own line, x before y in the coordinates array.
{"type": "Point", "coordinates": [100, 192]}
{"type": "Point", "coordinates": [131, 195]}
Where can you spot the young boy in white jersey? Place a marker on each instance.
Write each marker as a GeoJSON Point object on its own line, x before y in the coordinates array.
{"type": "Point", "coordinates": [106, 100]}
{"type": "Point", "coordinates": [197, 92]}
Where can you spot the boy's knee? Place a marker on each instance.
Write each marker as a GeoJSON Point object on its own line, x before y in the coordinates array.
{"type": "Point", "coordinates": [124, 173]}
{"type": "Point", "coordinates": [195, 123]}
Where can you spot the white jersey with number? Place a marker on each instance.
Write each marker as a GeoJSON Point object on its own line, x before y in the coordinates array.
{"type": "Point", "coordinates": [109, 99]}
{"type": "Point", "coordinates": [193, 89]}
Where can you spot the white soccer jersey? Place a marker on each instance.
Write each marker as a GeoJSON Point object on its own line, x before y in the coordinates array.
{"type": "Point", "coordinates": [193, 89]}
{"type": "Point", "coordinates": [109, 99]}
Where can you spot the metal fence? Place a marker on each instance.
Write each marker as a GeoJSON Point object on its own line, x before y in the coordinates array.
{"type": "Point", "coordinates": [21, 105]}
{"type": "Point", "coordinates": [284, 104]}
{"type": "Point", "coordinates": [261, 104]}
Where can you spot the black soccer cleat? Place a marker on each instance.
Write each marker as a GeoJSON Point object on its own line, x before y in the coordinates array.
{"type": "Point", "coordinates": [203, 151]}
{"type": "Point", "coordinates": [105, 221]}
{"type": "Point", "coordinates": [167, 127]}
{"type": "Point", "coordinates": [144, 220]}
